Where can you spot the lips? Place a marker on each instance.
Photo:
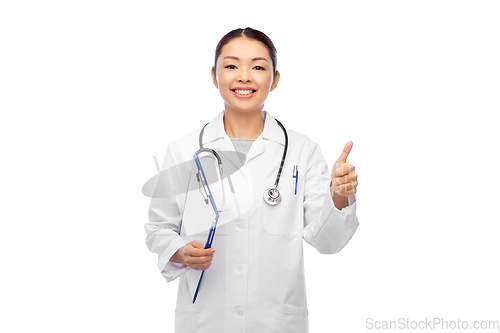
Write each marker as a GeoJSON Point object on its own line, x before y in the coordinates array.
{"type": "Point", "coordinates": [243, 92]}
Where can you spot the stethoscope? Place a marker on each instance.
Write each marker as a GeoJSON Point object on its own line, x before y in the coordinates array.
{"type": "Point", "coordinates": [272, 196]}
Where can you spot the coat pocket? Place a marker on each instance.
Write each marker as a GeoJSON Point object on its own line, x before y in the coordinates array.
{"type": "Point", "coordinates": [185, 319]}
{"type": "Point", "coordinates": [295, 319]}
{"type": "Point", "coordinates": [285, 218]}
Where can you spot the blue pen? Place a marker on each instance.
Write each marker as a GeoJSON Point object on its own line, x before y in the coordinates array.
{"type": "Point", "coordinates": [296, 176]}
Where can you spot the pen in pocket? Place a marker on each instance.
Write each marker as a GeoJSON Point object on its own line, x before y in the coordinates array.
{"type": "Point", "coordinates": [296, 176]}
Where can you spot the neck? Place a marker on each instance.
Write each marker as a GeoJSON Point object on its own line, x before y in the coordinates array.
{"type": "Point", "coordinates": [248, 125]}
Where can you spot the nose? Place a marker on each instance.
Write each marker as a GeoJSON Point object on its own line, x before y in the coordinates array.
{"type": "Point", "coordinates": [244, 76]}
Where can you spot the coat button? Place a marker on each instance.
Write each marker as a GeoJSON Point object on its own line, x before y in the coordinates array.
{"type": "Point", "coordinates": [240, 268]}
{"type": "Point", "coordinates": [240, 311]}
{"type": "Point", "coordinates": [241, 225]}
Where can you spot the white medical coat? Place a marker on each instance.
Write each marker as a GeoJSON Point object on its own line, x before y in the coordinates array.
{"type": "Point", "coordinates": [256, 280]}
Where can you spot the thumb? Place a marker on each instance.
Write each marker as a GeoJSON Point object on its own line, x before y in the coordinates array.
{"type": "Point", "coordinates": [347, 149]}
{"type": "Point", "coordinates": [197, 245]}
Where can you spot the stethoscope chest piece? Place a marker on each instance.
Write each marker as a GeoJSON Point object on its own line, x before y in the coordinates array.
{"type": "Point", "coordinates": [272, 196]}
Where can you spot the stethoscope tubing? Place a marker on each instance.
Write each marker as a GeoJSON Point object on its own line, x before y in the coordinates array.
{"type": "Point", "coordinates": [284, 154]}
{"type": "Point", "coordinates": [283, 157]}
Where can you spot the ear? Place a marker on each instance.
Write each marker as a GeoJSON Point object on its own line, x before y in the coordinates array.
{"type": "Point", "coordinates": [275, 81]}
{"type": "Point", "coordinates": [214, 78]}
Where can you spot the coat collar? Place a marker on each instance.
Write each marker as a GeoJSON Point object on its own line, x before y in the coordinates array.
{"type": "Point", "coordinates": [216, 138]}
{"type": "Point", "coordinates": [215, 130]}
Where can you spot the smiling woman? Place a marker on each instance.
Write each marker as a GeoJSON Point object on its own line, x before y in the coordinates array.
{"type": "Point", "coordinates": [253, 278]}
{"type": "Point", "coordinates": [245, 72]}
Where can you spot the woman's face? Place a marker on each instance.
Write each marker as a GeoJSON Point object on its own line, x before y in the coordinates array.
{"type": "Point", "coordinates": [244, 75]}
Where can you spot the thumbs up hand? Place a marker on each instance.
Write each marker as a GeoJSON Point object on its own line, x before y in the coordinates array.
{"type": "Point", "coordinates": [344, 179]}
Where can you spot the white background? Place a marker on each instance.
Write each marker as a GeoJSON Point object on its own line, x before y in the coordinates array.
{"type": "Point", "coordinates": [90, 91]}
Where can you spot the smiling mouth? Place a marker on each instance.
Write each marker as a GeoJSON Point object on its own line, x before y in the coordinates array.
{"type": "Point", "coordinates": [243, 92]}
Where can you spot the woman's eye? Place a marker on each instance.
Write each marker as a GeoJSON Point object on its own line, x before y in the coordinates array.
{"type": "Point", "coordinates": [231, 66]}
{"type": "Point", "coordinates": [259, 68]}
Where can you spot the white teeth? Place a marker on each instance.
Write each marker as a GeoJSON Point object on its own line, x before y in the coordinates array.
{"type": "Point", "coordinates": [244, 92]}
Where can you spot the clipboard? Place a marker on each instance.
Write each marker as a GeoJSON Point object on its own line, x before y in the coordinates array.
{"type": "Point", "coordinates": [199, 218]}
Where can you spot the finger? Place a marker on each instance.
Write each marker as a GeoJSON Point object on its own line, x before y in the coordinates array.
{"type": "Point", "coordinates": [195, 263]}
{"type": "Point", "coordinates": [197, 244]}
{"type": "Point", "coordinates": [347, 189]}
{"type": "Point", "coordinates": [198, 260]}
{"type": "Point", "coordinates": [347, 149]}
{"type": "Point", "coordinates": [198, 252]}
{"type": "Point", "coordinates": [201, 267]}
{"type": "Point", "coordinates": [344, 170]}
{"type": "Point", "coordinates": [345, 179]}
{"type": "Point", "coordinates": [201, 248]}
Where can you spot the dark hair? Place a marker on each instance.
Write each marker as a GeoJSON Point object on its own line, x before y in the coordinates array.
{"type": "Point", "coordinates": [252, 34]}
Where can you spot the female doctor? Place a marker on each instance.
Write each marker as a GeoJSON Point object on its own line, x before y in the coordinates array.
{"type": "Point", "coordinates": [254, 272]}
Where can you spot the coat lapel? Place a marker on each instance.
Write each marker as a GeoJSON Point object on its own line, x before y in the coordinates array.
{"type": "Point", "coordinates": [216, 138]}
{"type": "Point", "coordinates": [272, 132]}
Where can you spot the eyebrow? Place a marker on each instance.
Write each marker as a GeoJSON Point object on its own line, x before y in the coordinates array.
{"type": "Point", "coordinates": [236, 58]}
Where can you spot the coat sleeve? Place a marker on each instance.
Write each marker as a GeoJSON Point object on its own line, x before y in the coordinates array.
{"type": "Point", "coordinates": [325, 227]}
{"type": "Point", "coordinates": [165, 219]}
